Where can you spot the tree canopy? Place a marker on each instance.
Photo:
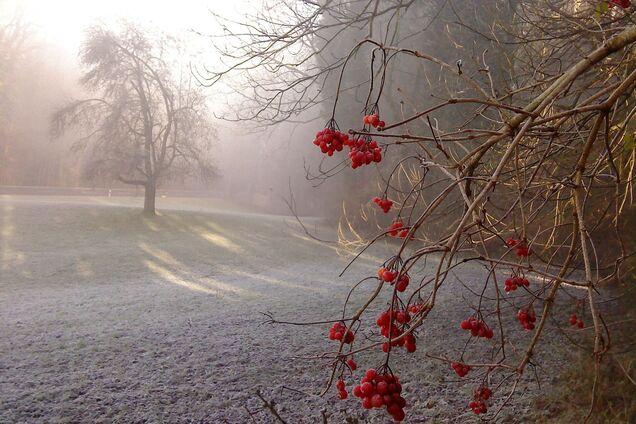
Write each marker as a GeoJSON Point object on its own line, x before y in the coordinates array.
{"type": "Point", "coordinates": [143, 124]}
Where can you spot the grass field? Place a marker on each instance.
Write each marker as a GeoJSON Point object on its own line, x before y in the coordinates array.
{"type": "Point", "coordinates": [107, 316]}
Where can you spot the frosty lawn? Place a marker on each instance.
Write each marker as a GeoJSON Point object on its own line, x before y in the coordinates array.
{"type": "Point", "coordinates": [109, 316]}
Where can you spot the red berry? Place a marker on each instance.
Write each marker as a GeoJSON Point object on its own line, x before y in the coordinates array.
{"type": "Point", "coordinates": [367, 389]}
{"type": "Point", "coordinates": [482, 393]}
{"type": "Point", "coordinates": [398, 388]}
{"type": "Point", "coordinates": [382, 388]}
{"type": "Point", "coordinates": [383, 319]}
{"type": "Point", "coordinates": [402, 283]}
{"type": "Point", "coordinates": [399, 415]}
{"type": "Point", "coordinates": [402, 317]}
{"type": "Point", "coordinates": [393, 408]}
{"type": "Point", "coordinates": [357, 392]}
{"type": "Point", "coordinates": [573, 319]}
{"type": "Point", "coordinates": [393, 229]}
{"type": "Point", "coordinates": [460, 369]}
{"type": "Point", "coordinates": [377, 401]}
{"type": "Point", "coordinates": [352, 364]}
{"type": "Point", "coordinates": [388, 276]}
{"type": "Point", "coordinates": [388, 400]}
{"type": "Point", "coordinates": [523, 250]}
{"type": "Point", "coordinates": [415, 308]}
{"type": "Point", "coordinates": [367, 403]}
{"type": "Point", "coordinates": [381, 272]}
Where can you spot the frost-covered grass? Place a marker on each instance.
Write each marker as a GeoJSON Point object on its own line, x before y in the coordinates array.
{"type": "Point", "coordinates": [107, 316]}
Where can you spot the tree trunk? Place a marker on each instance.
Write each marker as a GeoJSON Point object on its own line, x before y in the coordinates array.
{"type": "Point", "coordinates": [149, 198]}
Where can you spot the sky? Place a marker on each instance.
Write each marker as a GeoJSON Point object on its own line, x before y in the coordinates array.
{"type": "Point", "coordinates": [62, 22]}
{"type": "Point", "coordinates": [61, 25]}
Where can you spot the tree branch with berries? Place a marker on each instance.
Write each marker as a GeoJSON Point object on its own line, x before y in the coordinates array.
{"type": "Point", "coordinates": [524, 175]}
{"type": "Point", "coordinates": [530, 178]}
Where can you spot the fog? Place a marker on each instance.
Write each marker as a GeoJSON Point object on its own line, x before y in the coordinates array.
{"type": "Point", "coordinates": [254, 165]}
{"type": "Point", "coordinates": [316, 211]}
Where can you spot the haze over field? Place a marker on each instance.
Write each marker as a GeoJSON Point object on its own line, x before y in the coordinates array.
{"type": "Point", "coordinates": [46, 75]}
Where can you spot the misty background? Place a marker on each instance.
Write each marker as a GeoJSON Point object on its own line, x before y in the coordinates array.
{"type": "Point", "coordinates": [108, 313]}
{"type": "Point", "coordinates": [40, 72]}
{"type": "Point", "coordinates": [257, 164]}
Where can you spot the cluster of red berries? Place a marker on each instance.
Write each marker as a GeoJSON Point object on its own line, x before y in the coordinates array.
{"type": "Point", "coordinates": [388, 328]}
{"type": "Point", "coordinates": [620, 3]}
{"type": "Point", "coordinates": [481, 395]}
{"type": "Point", "coordinates": [477, 328]}
{"type": "Point", "coordinates": [384, 204]}
{"type": "Point", "coordinates": [514, 282]}
{"type": "Point", "coordinates": [377, 391]}
{"type": "Point", "coordinates": [522, 248]}
{"type": "Point", "coordinates": [389, 276]}
{"type": "Point", "coordinates": [339, 332]}
{"type": "Point", "coordinates": [331, 141]}
{"type": "Point", "coordinates": [374, 121]}
{"type": "Point", "coordinates": [363, 152]}
{"type": "Point", "coordinates": [397, 230]}
{"type": "Point", "coordinates": [575, 321]}
{"type": "Point", "coordinates": [407, 342]}
{"type": "Point", "coordinates": [460, 369]}
{"type": "Point", "coordinates": [342, 393]}
{"type": "Point", "coordinates": [527, 318]}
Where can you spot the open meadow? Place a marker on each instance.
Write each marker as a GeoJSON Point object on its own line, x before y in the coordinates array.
{"type": "Point", "coordinates": [107, 316]}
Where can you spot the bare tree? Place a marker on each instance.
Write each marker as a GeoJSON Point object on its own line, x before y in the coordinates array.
{"type": "Point", "coordinates": [142, 125]}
